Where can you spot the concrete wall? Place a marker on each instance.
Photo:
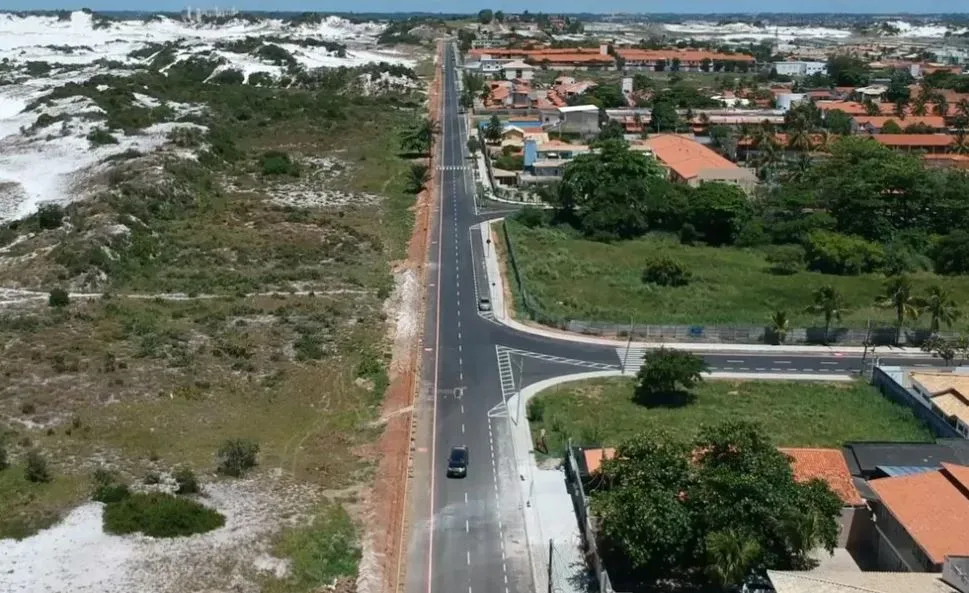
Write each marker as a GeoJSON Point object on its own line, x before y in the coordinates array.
{"type": "Point", "coordinates": [891, 389]}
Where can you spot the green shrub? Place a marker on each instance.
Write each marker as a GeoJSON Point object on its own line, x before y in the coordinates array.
{"type": "Point", "coordinates": [160, 515]}
{"type": "Point", "coordinates": [276, 162]}
{"type": "Point", "coordinates": [665, 271]}
{"type": "Point", "coordinates": [100, 137]}
{"type": "Point", "coordinates": [536, 410]}
{"type": "Point", "coordinates": [50, 216]}
{"type": "Point", "coordinates": [187, 482]}
{"type": "Point", "coordinates": [4, 461]}
{"type": "Point", "coordinates": [58, 298]}
{"type": "Point", "coordinates": [324, 551]}
{"type": "Point", "coordinates": [786, 259]}
{"type": "Point", "coordinates": [835, 253]}
{"type": "Point", "coordinates": [229, 76]}
{"type": "Point", "coordinates": [36, 469]}
{"type": "Point", "coordinates": [236, 456]}
{"type": "Point", "coordinates": [309, 347]}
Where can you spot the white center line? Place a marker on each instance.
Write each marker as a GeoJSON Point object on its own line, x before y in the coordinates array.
{"type": "Point", "coordinates": [467, 526]}
{"type": "Point", "coordinates": [782, 362]}
{"type": "Point", "coordinates": [735, 361]}
{"type": "Point", "coordinates": [465, 498]}
{"type": "Point", "coordinates": [462, 428]}
{"type": "Point", "coordinates": [469, 557]}
{"type": "Point", "coordinates": [828, 362]}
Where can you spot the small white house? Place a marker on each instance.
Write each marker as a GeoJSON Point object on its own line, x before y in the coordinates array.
{"type": "Point", "coordinates": [518, 70]}
{"type": "Point", "coordinates": [579, 119]}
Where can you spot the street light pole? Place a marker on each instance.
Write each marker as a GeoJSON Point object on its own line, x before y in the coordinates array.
{"type": "Point", "coordinates": [629, 343]}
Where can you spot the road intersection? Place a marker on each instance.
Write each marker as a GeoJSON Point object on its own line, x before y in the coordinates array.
{"type": "Point", "coordinates": [468, 534]}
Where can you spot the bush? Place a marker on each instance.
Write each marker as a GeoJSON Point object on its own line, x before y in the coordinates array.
{"type": "Point", "coordinates": [325, 550]}
{"type": "Point", "coordinates": [101, 137]}
{"type": "Point", "coordinates": [4, 461]}
{"type": "Point", "coordinates": [834, 253]}
{"type": "Point", "coordinates": [107, 489]}
{"type": "Point", "coordinates": [160, 515]}
{"type": "Point", "coordinates": [50, 216]}
{"type": "Point", "coordinates": [536, 410]}
{"type": "Point", "coordinates": [58, 298]}
{"type": "Point", "coordinates": [236, 456]}
{"type": "Point", "coordinates": [689, 234]}
{"type": "Point", "coordinates": [276, 162]}
{"type": "Point", "coordinates": [786, 259]}
{"type": "Point", "coordinates": [531, 217]}
{"type": "Point", "coordinates": [229, 76]}
{"type": "Point", "coordinates": [665, 271]}
{"type": "Point", "coordinates": [36, 468]}
{"type": "Point", "coordinates": [187, 482]}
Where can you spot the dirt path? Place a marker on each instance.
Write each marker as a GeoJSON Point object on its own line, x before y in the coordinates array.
{"type": "Point", "coordinates": [386, 523]}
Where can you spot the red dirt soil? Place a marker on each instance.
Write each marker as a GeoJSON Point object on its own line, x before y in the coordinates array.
{"type": "Point", "coordinates": [389, 495]}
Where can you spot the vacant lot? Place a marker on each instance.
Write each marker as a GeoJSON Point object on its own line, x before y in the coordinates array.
{"type": "Point", "coordinates": [795, 414]}
{"type": "Point", "coordinates": [573, 278]}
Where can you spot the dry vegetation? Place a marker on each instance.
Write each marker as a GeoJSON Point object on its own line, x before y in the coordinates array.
{"type": "Point", "coordinates": [281, 264]}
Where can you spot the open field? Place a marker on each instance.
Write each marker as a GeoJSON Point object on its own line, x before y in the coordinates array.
{"type": "Point", "coordinates": [282, 255]}
{"type": "Point", "coordinates": [573, 278]}
{"type": "Point", "coordinates": [795, 414]}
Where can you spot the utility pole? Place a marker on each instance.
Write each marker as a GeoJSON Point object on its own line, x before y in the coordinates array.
{"type": "Point", "coordinates": [629, 343]}
{"type": "Point", "coordinates": [518, 389]}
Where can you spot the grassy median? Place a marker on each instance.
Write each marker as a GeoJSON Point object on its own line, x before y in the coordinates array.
{"type": "Point", "coordinates": [796, 414]}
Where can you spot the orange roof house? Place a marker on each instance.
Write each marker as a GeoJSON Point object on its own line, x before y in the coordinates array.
{"type": "Point", "coordinates": [828, 465]}
{"type": "Point", "coordinates": [932, 508]}
{"type": "Point", "coordinates": [878, 122]}
{"type": "Point", "coordinates": [693, 163]}
{"type": "Point", "coordinates": [927, 142]}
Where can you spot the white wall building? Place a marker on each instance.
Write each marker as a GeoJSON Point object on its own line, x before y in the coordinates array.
{"type": "Point", "coordinates": [800, 68]}
{"type": "Point", "coordinates": [579, 119]}
{"type": "Point", "coordinates": [518, 70]}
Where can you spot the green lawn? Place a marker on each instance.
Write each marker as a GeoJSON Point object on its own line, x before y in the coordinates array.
{"type": "Point", "coordinates": [796, 414]}
{"type": "Point", "coordinates": [573, 278]}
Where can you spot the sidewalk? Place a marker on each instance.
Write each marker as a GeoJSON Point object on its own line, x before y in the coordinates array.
{"type": "Point", "coordinates": [496, 282]}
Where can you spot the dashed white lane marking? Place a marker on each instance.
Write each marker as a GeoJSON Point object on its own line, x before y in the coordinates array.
{"type": "Point", "coordinates": [782, 362]}
{"type": "Point", "coordinates": [824, 362]}
{"type": "Point", "coordinates": [462, 428]}
{"type": "Point", "coordinates": [465, 498]}
{"type": "Point", "coordinates": [462, 411]}
{"type": "Point", "coordinates": [469, 557]}
{"type": "Point", "coordinates": [735, 361]}
{"type": "Point", "coordinates": [467, 526]}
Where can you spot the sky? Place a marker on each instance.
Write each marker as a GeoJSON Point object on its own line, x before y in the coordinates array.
{"type": "Point", "coordinates": [692, 6]}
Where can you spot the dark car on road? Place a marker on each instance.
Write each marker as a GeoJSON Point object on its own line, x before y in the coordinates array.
{"type": "Point", "coordinates": [457, 462]}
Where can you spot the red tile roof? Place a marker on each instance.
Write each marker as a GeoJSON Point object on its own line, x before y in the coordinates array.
{"type": "Point", "coordinates": [594, 457]}
{"type": "Point", "coordinates": [686, 157]}
{"type": "Point", "coordinates": [684, 55]}
{"type": "Point", "coordinates": [828, 465]}
{"type": "Point", "coordinates": [915, 140]}
{"type": "Point", "coordinates": [933, 507]}
{"type": "Point", "coordinates": [933, 121]}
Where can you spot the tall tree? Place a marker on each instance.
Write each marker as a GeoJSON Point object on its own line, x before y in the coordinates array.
{"type": "Point", "coordinates": [828, 303]}
{"type": "Point", "coordinates": [897, 295]}
{"type": "Point", "coordinates": [665, 372]}
{"type": "Point", "coordinates": [418, 137]}
{"type": "Point", "coordinates": [494, 130]}
{"type": "Point", "coordinates": [940, 305]}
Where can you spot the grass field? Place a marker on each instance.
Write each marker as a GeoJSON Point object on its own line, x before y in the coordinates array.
{"type": "Point", "coordinates": [796, 414]}
{"type": "Point", "coordinates": [573, 278]}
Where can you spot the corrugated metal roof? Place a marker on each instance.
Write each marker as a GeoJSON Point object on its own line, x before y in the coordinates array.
{"type": "Point", "coordinates": [905, 470]}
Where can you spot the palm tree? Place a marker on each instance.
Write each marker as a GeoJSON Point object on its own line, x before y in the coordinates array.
{"type": "Point", "coordinates": [799, 139]}
{"type": "Point", "coordinates": [731, 557]}
{"type": "Point", "coordinates": [419, 136]}
{"type": "Point", "coordinates": [900, 108]}
{"type": "Point", "coordinates": [963, 108]}
{"type": "Point", "coordinates": [960, 145]}
{"type": "Point", "coordinates": [941, 107]}
{"type": "Point", "coordinates": [872, 108]}
{"type": "Point", "coordinates": [919, 106]}
{"type": "Point", "coordinates": [799, 169]}
{"type": "Point", "coordinates": [417, 176]}
{"type": "Point", "coordinates": [822, 141]}
{"type": "Point", "coordinates": [898, 296]}
{"type": "Point", "coordinates": [778, 325]}
{"type": "Point", "coordinates": [829, 303]}
{"type": "Point", "coordinates": [940, 305]}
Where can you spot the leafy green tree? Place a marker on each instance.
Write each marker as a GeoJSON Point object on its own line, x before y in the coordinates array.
{"type": "Point", "coordinates": [612, 130]}
{"type": "Point", "coordinates": [779, 323]}
{"type": "Point", "coordinates": [890, 127]}
{"type": "Point", "coordinates": [4, 461]}
{"type": "Point", "coordinates": [950, 255]}
{"type": "Point", "coordinates": [835, 253]}
{"type": "Point", "coordinates": [848, 70]}
{"type": "Point", "coordinates": [663, 117]}
{"type": "Point", "coordinates": [837, 122]}
{"type": "Point", "coordinates": [786, 259]}
{"type": "Point", "coordinates": [35, 469]}
{"type": "Point", "coordinates": [940, 306]}
{"type": "Point", "coordinates": [665, 373]}
{"type": "Point", "coordinates": [707, 514]}
{"type": "Point", "coordinates": [897, 295]}
{"type": "Point", "coordinates": [944, 349]}
{"type": "Point", "coordinates": [828, 303]}
{"type": "Point", "coordinates": [485, 16]}
{"type": "Point", "coordinates": [604, 194]}
{"type": "Point", "coordinates": [58, 298]}
{"type": "Point", "coordinates": [718, 211]}
{"type": "Point", "coordinates": [473, 145]}
{"type": "Point", "coordinates": [494, 130]}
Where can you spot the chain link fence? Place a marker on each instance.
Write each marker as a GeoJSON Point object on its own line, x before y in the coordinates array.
{"type": "Point", "coordinates": [720, 334]}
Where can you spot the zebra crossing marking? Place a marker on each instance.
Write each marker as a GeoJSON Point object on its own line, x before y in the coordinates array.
{"type": "Point", "coordinates": [453, 168]}
{"type": "Point", "coordinates": [633, 359]}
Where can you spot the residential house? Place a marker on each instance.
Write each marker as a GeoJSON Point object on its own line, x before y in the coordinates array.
{"type": "Point", "coordinates": [925, 143]}
{"type": "Point", "coordinates": [791, 68]}
{"type": "Point", "coordinates": [829, 465]}
{"type": "Point", "coordinates": [578, 119]}
{"type": "Point", "coordinates": [947, 394]}
{"type": "Point", "coordinates": [688, 161]}
{"type": "Point", "coordinates": [517, 70]}
{"type": "Point", "coordinates": [946, 161]}
{"type": "Point", "coordinates": [868, 461]}
{"type": "Point", "coordinates": [922, 518]}
{"type": "Point", "coordinates": [872, 124]}
{"type": "Point", "coordinates": [952, 580]}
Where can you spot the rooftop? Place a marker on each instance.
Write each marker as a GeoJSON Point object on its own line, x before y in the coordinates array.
{"type": "Point", "coordinates": [933, 507]}
{"type": "Point", "coordinates": [877, 121]}
{"type": "Point", "coordinates": [788, 581]}
{"type": "Point", "coordinates": [578, 108]}
{"type": "Point", "coordinates": [947, 391]}
{"type": "Point", "coordinates": [825, 464]}
{"type": "Point", "coordinates": [517, 65]}
{"type": "Point", "coordinates": [686, 157]}
{"type": "Point", "coordinates": [914, 140]}
{"type": "Point", "coordinates": [594, 457]}
{"type": "Point", "coordinates": [864, 458]}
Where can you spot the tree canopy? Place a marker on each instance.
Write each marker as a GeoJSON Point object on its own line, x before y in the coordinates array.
{"type": "Point", "coordinates": [708, 513]}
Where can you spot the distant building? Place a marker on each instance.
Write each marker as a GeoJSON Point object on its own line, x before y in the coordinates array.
{"type": "Point", "coordinates": [579, 119]}
{"type": "Point", "coordinates": [688, 161]}
{"type": "Point", "coordinates": [517, 70]}
{"type": "Point", "coordinates": [682, 60]}
{"type": "Point", "coordinates": [800, 68]}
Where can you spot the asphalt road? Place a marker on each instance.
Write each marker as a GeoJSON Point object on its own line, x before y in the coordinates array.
{"type": "Point", "coordinates": [471, 531]}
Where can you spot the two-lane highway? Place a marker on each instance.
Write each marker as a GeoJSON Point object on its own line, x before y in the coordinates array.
{"type": "Point", "coordinates": [467, 534]}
